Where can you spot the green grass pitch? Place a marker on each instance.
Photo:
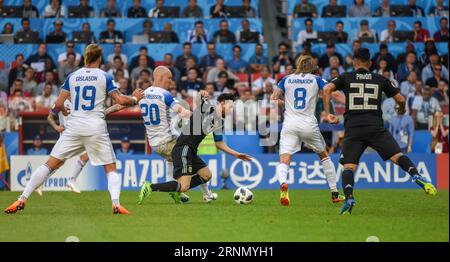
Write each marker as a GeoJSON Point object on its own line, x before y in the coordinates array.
{"type": "Point", "coordinates": [390, 215]}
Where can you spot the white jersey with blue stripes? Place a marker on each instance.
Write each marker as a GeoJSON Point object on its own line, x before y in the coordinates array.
{"type": "Point", "coordinates": [300, 95]}
{"type": "Point", "coordinates": [155, 110]}
{"type": "Point", "coordinates": [88, 89]}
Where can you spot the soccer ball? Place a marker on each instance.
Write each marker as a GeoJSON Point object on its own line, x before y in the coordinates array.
{"type": "Point", "coordinates": [243, 195]}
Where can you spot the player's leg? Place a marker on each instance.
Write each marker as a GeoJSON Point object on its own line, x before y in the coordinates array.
{"type": "Point", "coordinates": [81, 162]}
{"type": "Point", "coordinates": [289, 144]}
{"type": "Point", "coordinates": [114, 187]}
{"type": "Point", "coordinates": [387, 148]}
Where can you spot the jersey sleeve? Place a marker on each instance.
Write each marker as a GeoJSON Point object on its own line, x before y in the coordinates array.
{"type": "Point", "coordinates": [320, 82]}
{"type": "Point", "coordinates": [339, 82]}
{"type": "Point", "coordinates": [66, 85]}
{"type": "Point", "coordinates": [110, 86]}
{"type": "Point", "coordinates": [389, 89]}
{"type": "Point", "coordinates": [169, 100]}
{"type": "Point", "coordinates": [281, 84]}
{"type": "Point", "coordinates": [217, 137]}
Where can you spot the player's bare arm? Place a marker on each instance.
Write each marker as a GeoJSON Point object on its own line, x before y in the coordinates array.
{"type": "Point", "coordinates": [327, 92]}
{"type": "Point", "coordinates": [59, 104]}
{"type": "Point", "coordinates": [52, 122]}
{"type": "Point", "coordinates": [225, 148]}
{"type": "Point", "coordinates": [119, 107]}
{"type": "Point", "coordinates": [127, 100]}
{"type": "Point", "coordinates": [277, 97]}
{"type": "Point", "coordinates": [181, 111]}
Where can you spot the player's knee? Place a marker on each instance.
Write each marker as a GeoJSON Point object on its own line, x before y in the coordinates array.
{"type": "Point", "coordinates": [396, 157]}
{"type": "Point", "coordinates": [351, 167]}
{"type": "Point", "coordinates": [184, 188]}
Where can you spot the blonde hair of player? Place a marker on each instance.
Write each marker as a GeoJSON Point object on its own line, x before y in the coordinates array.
{"type": "Point", "coordinates": [92, 53]}
{"type": "Point", "coordinates": [304, 64]}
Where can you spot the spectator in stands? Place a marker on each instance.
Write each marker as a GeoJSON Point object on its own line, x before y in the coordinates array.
{"type": "Point", "coordinates": [213, 74]}
{"type": "Point", "coordinates": [25, 22]}
{"type": "Point", "coordinates": [259, 84]}
{"type": "Point", "coordinates": [124, 86]}
{"type": "Point", "coordinates": [49, 77]}
{"type": "Point", "coordinates": [173, 36]}
{"type": "Point", "coordinates": [209, 61]}
{"type": "Point", "coordinates": [308, 33]}
{"type": "Point", "coordinates": [218, 10]}
{"type": "Point", "coordinates": [224, 83]}
{"type": "Point", "coordinates": [385, 55]}
{"type": "Point", "coordinates": [17, 85]}
{"type": "Point", "coordinates": [327, 9]}
{"type": "Point", "coordinates": [433, 82]}
{"type": "Point", "coordinates": [118, 64]}
{"type": "Point", "coordinates": [86, 28]}
{"type": "Point", "coordinates": [111, 35]}
{"type": "Point", "coordinates": [70, 48]}
{"type": "Point", "coordinates": [17, 71]}
{"type": "Point", "coordinates": [190, 63]}
{"type": "Point", "coordinates": [145, 79]}
{"type": "Point", "coordinates": [117, 52]}
{"type": "Point", "coordinates": [415, 9]}
{"type": "Point", "coordinates": [17, 103]}
{"type": "Point", "coordinates": [439, 9]}
{"type": "Point", "coordinates": [135, 60]}
{"type": "Point", "coordinates": [210, 89]}
{"type": "Point", "coordinates": [237, 64]}
{"type": "Point", "coordinates": [86, 11]}
{"type": "Point", "coordinates": [245, 28]}
{"type": "Point", "coordinates": [430, 50]}
{"type": "Point", "coordinates": [37, 148]}
{"type": "Point", "coordinates": [423, 107]}
{"type": "Point", "coordinates": [427, 71]}
{"type": "Point", "coordinates": [356, 44]}
{"type": "Point", "coordinates": [439, 134]}
{"type": "Point", "coordinates": [441, 93]}
{"type": "Point", "coordinates": [29, 10]}
{"type": "Point", "coordinates": [55, 10]}
{"type": "Point", "coordinates": [67, 67]}
{"type": "Point", "coordinates": [155, 12]}
{"type": "Point", "coordinates": [333, 63]}
{"type": "Point", "coordinates": [3, 112]}
{"type": "Point", "coordinates": [57, 32]}
{"type": "Point", "coordinates": [324, 60]}
{"type": "Point", "coordinates": [348, 63]}
{"type": "Point", "coordinates": [382, 67]}
{"type": "Point", "coordinates": [384, 10]}
{"type": "Point", "coordinates": [334, 72]}
{"type": "Point", "coordinates": [118, 75]}
{"type": "Point", "coordinates": [401, 126]}
{"type": "Point", "coordinates": [180, 62]}
{"type": "Point", "coordinates": [359, 9]}
{"type": "Point", "coordinates": [46, 99]}
{"type": "Point", "coordinates": [124, 147]}
{"type": "Point", "coordinates": [420, 34]}
{"type": "Point", "coordinates": [304, 8]}
{"type": "Point", "coordinates": [281, 60]}
{"type": "Point", "coordinates": [387, 35]}
{"type": "Point", "coordinates": [388, 109]}
{"type": "Point", "coordinates": [199, 34]}
{"type": "Point", "coordinates": [365, 34]}
{"type": "Point", "coordinates": [147, 27]}
{"type": "Point", "coordinates": [408, 86]}
{"type": "Point", "coordinates": [224, 35]}
{"type": "Point", "coordinates": [110, 11]}
{"type": "Point", "coordinates": [136, 72]}
{"type": "Point", "coordinates": [191, 84]}
{"type": "Point", "coordinates": [136, 10]}
{"type": "Point", "coordinates": [29, 85]}
{"type": "Point", "coordinates": [258, 60]}
{"type": "Point", "coordinates": [339, 35]}
{"type": "Point", "coordinates": [306, 50]}
{"type": "Point", "coordinates": [410, 48]}
{"type": "Point", "coordinates": [249, 11]}
{"type": "Point", "coordinates": [409, 66]}
{"type": "Point", "coordinates": [442, 34]}
{"type": "Point", "coordinates": [8, 29]}
{"type": "Point", "coordinates": [168, 62]}
{"type": "Point", "coordinates": [192, 10]}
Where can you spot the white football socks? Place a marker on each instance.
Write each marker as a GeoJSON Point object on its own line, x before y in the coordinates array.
{"type": "Point", "coordinates": [77, 170]}
{"type": "Point", "coordinates": [37, 178]}
{"type": "Point", "coordinates": [114, 186]}
{"type": "Point", "coordinates": [282, 172]}
{"type": "Point", "coordinates": [330, 173]}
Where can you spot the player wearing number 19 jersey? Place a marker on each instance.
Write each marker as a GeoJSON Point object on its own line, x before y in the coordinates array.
{"type": "Point", "coordinates": [364, 123]}
{"type": "Point", "coordinates": [300, 125]}
{"type": "Point", "coordinates": [85, 128]}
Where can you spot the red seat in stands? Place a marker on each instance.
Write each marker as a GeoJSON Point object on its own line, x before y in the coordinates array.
{"type": "Point", "coordinates": [243, 77]}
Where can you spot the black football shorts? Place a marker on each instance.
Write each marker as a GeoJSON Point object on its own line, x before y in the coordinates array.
{"type": "Point", "coordinates": [186, 162]}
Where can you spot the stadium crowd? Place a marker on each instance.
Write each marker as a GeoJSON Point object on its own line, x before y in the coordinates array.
{"type": "Point", "coordinates": [31, 83]}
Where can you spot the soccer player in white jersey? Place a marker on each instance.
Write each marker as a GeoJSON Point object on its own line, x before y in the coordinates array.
{"type": "Point", "coordinates": [60, 127]}
{"type": "Point", "coordinates": [300, 92]}
{"type": "Point", "coordinates": [85, 128]}
{"type": "Point", "coordinates": [155, 109]}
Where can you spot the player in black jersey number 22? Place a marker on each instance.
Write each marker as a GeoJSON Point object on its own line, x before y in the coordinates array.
{"type": "Point", "coordinates": [364, 123]}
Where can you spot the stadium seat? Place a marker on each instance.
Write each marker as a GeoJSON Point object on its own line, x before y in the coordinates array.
{"type": "Point", "coordinates": [255, 76]}
{"type": "Point", "coordinates": [2, 65]}
{"type": "Point", "coordinates": [243, 77]}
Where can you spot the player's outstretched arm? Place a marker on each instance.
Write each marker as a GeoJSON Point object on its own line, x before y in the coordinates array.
{"type": "Point", "coordinates": [181, 111]}
{"type": "Point", "coordinates": [59, 104]}
{"type": "Point", "coordinates": [225, 148]}
{"type": "Point", "coordinates": [127, 100]}
{"type": "Point", "coordinates": [52, 122]}
{"type": "Point", "coordinates": [327, 91]}
{"type": "Point", "coordinates": [400, 100]}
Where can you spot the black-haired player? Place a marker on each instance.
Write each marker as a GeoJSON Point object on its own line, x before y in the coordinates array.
{"type": "Point", "coordinates": [364, 123]}
{"type": "Point", "coordinates": [189, 169]}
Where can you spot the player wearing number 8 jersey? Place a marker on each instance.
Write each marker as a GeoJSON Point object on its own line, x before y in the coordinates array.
{"type": "Point", "coordinates": [364, 123]}
{"type": "Point", "coordinates": [85, 128]}
{"type": "Point", "coordinates": [300, 125]}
